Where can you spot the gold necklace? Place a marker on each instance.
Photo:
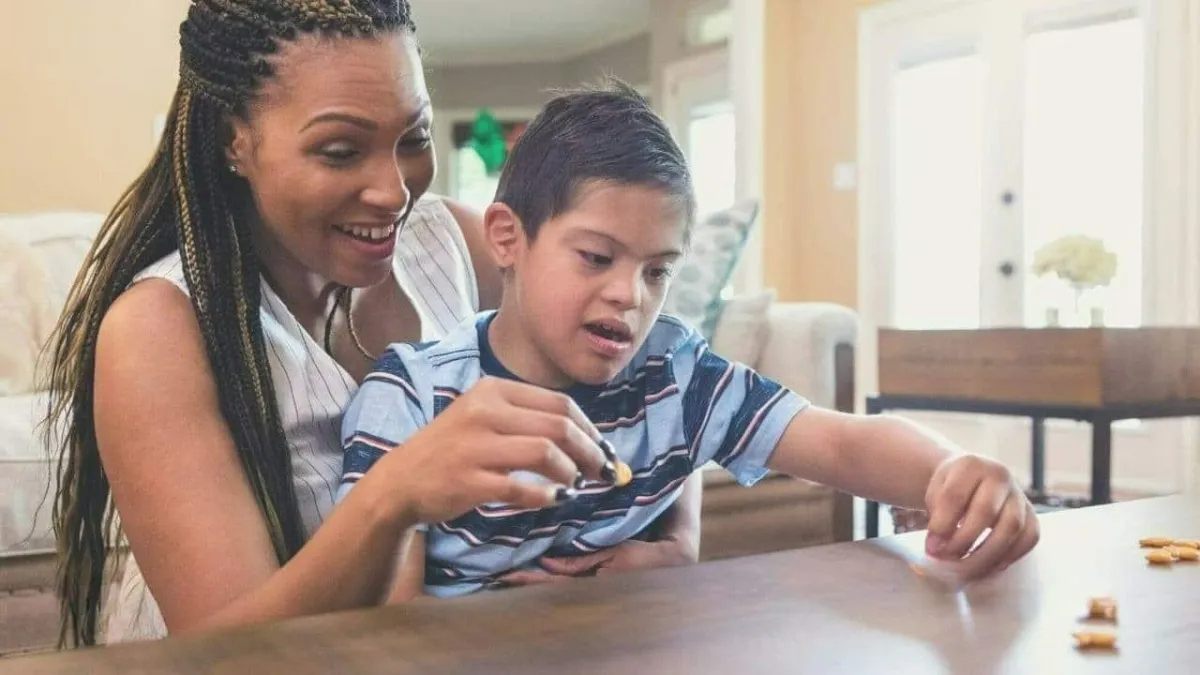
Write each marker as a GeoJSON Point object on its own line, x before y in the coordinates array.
{"type": "Point", "coordinates": [343, 300]}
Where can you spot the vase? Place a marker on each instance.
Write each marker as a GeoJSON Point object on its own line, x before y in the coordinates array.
{"type": "Point", "coordinates": [1086, 307]}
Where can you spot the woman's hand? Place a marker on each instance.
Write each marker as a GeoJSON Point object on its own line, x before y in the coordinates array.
{"type": "Point", "coordinates": [629, 556]}
{"type": "Point", "coordinates": [465, 457]}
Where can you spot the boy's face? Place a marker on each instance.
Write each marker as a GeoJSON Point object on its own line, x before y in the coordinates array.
{"type": "Point", "coordinates": [586, 292]}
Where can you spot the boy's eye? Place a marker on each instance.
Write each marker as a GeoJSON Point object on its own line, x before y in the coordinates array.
{"type": "Point", "coordinates": [661, 274]}
{"type": "Point", "coordinates": [595, 259]}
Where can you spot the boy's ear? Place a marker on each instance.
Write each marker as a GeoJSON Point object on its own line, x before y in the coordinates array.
{"type": "Point", "coordinates": [504, 233]}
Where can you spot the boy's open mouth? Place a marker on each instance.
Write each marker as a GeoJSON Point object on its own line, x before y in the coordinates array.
{"type": "Point", "coordinates": [610, 330]}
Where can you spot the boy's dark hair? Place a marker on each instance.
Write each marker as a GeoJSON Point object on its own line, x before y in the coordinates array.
{"type": "Point", "coordinates": [605, 132]}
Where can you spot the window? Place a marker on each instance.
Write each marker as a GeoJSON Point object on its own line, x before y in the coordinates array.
{"type": "Point", "coordinates": [710, 151]}
{"type": "Point", "coordinates": [998, 127]}
{"type": "Point", "coordinates": [937, 118]}
{"type": "Point", "coordinates": [1084, 154]}
{"type": "Point", "coordinates": [470, 182]}
{"type": "Point", "coordinates": [472, 185]}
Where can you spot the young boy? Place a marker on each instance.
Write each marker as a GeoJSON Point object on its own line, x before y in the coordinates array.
{"type": "Point", "coordinates": [591, 216]}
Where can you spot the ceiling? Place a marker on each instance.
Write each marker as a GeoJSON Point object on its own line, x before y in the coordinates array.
{"type": "Point", "coordinates": [474, 32]}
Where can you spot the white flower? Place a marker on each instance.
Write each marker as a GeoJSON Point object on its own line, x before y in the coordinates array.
{"type": "Point", "coordinates": [1078, 259]}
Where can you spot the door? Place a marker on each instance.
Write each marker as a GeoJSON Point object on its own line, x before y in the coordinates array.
{"type": "Point", "coordinates": [699, 111]}
{"type": "Point", "coordinates": [989, 128]}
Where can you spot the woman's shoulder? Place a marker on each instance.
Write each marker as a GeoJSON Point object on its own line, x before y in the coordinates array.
{"type": "Point", "coordinates": [433, 210]}
{"type": "Point", "coordinates": [169, 268]}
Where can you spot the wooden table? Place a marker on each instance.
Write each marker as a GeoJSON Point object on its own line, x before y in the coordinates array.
{"type": "Point", "coordinates": [1100, 417]}
{"type": "Point", "coordinates": [845, 608]}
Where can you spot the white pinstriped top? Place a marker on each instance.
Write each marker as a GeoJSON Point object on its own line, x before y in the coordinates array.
{"type": "Point", "coordinates": [433, 267]}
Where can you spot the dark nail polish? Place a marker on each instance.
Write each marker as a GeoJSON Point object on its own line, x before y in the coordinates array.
{"type": "Point", "coordinates": [564, 494]}
{"type": "Point", "coordinates": [610, 453]}
{"type": "Point", "coordinates": [609, 472]}
{"type": "Point", "coordinates": [579, 481]}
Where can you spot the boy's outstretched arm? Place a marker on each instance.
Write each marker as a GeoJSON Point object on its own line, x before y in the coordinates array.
{"type": "Point", "coordinates": [891, 460]}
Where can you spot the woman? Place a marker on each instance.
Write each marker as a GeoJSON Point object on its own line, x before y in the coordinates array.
{"type": "Point", "coordinates": [279, 239]}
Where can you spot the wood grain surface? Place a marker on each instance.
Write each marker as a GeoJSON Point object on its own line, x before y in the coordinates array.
{"type": "Point", "coordinates": [845, 608]}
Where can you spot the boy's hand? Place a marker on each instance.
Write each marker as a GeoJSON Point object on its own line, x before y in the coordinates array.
{"type": "Point", "coordinates": [627, 556]}
{"type": "Point", "coordinates": [968, 495]}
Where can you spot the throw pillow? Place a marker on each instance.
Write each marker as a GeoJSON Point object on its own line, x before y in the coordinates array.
{"type": "Point", "coordinates": [717, 244]}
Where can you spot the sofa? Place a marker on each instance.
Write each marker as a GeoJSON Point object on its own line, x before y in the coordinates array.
{"type": "Point", "coordinates": [806, 346]}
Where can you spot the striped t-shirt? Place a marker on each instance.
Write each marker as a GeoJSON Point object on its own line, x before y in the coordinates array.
{"type": "Point", "coordinates": [676, 407]}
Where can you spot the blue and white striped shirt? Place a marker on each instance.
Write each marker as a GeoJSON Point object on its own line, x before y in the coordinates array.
{"type": "Point", "coordinates": [675, 407]}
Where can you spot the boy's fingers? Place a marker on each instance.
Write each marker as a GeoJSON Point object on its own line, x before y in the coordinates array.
{"type": "Point", "coordinates": [982, 512]}
{"type": "Point", "coordinates": [576, 566]}
{"type": "Point", "coordinates": [530, 578]}
{"type": "Point", "coordinates": [948, 502]}
{"type": "Point", "coordinates": [1030, 534]}
{"type": "Point", "coordinates": [989, 556]}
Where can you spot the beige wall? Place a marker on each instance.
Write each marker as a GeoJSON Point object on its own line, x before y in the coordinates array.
{"type": "Point", "coordinates": [529, 85]}
{"type": "Point", "coordinates": [82, 82]}
{"type": "Point", "coordinates": [81, 93]}
{"type": "Point", "coordinates": [810, 125]}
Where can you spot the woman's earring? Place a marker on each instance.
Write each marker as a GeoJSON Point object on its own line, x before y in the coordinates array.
{"type": "Point", "coordinates": [233, 169]}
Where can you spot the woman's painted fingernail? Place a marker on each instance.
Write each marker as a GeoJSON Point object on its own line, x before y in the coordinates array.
{"type": "Point", "coordinates": [579, 481]}
{"type": "Point", "coordinates": [610, 453]}
{"type": "Point", "coordinates": [564, 494]}
{"type": "Point", "coordinates": [609, 472]}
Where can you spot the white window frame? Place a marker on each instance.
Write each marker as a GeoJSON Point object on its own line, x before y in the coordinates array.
{"type": "Point", "coordinates": [443, 140]}
{"type": "Point", "coordinates": [742, 55]}
{"type": "Point", "coordinates": [1172, 211]}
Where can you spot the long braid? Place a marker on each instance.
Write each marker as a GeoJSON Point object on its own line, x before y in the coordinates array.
{"type": "Point", "coordinates": [185, 200]}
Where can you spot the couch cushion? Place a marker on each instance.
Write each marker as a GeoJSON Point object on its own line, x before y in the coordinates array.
{"type": "Point", "coordinates": [61, 239]}
{"type": "Point", "coordinates": [26, 317]}
{"type": "Point", "coordinates": [742, 328]}
{"type": "Point", "coordinates": [24, 476]}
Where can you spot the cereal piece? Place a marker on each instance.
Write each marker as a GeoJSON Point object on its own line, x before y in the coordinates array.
{"type": "Point", "coordinates": [1155, 542]}
{"type": "Point", "coordinates": [1186, 543]}
{"type": "Point", "coordinates": [1093, 640]}
{"type": "Point", "coordinates": [624, 474]}
{"type": "Point", "coordinates": [1160, 556]}
{"type": "Point", "coordinates": [1186, 553]}
{"type": "Point", "coordinates": [1102, 608]}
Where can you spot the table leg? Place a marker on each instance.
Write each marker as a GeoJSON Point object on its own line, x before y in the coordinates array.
{"type": "Point", "coordinates": [872, 507]}
{"type": "Point", "coordinates": [1101, 461]}
{"type": "Point", "coordinates": [1039, 456]}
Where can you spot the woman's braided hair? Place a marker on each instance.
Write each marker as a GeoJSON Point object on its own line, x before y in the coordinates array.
{"type": "Point", "coordinates": [187, 200]}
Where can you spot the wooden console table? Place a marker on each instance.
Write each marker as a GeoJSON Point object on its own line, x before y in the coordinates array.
{"type": "Point", "coordinates": [1093, 375]}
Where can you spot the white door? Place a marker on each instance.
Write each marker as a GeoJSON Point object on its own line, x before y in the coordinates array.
{"type": "Point", "coordinates": [989, 128]}
{"type": "Point", "coordinates": [699, 111]}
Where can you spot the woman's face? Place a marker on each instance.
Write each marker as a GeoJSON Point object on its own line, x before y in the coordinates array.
{"type": "Point", "coordinates": [336, 148]}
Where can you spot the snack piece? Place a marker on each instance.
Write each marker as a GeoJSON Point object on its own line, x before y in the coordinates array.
{"type": "Point", "coordinates": [1160, 556]}
{"type": "Point", "coordinates": [1155, 542]}
{"type": "Point", "coordinates": [624, 474]}
{"type": "Point", "coordinates": [1186, 553]}
{"type": "Point", "coordinates": [1186, 543]}
{"type": "Point", "coordinates": [1093, 640]}
{"type": "Point", "coordinates": [1104, 608]}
